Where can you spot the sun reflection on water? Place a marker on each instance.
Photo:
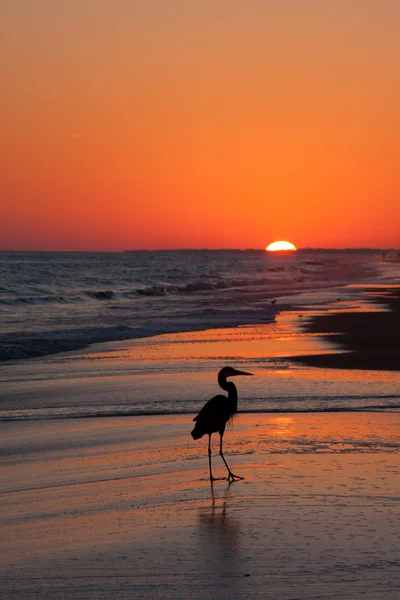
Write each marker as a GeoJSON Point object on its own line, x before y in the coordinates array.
{"type": "Point", "coordinates": [282, 426]}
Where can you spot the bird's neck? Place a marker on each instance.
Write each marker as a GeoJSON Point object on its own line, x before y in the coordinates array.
{"type": "Point", "coordinates": [229, 387]}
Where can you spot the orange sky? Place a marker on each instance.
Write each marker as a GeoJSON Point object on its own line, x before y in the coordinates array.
{"type": "Point", "coordinates": [220, 123]}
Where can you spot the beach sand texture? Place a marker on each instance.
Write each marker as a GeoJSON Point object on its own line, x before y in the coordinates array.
{"type": "Point", "coordinates": [95, 508]}
{"type": "Point", "coordinates": [122, 505]}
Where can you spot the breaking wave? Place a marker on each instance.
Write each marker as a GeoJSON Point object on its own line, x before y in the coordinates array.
{"type": "Point", "coordinates": [86, 412]}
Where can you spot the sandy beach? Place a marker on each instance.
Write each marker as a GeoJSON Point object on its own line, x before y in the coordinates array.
{"type": "Point", "coordinates": [370, 338]}
{"type": "Point", "coordinates": [98, 507]}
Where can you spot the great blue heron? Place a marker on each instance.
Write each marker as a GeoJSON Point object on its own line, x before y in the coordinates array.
{"type": "Point", "coordinates": [215, 414]}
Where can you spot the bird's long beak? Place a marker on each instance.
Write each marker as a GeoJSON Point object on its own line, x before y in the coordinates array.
{"type": "Point", "coordinates": [242, 373]}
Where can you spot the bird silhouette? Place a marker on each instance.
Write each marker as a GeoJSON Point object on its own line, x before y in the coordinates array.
{"type": "Point", "coordinates": [215, 414]}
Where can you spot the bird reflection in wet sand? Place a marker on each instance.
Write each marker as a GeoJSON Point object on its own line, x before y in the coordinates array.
{"type": "Point", "coordinates": [216, 523]}
{"type": "Point", "coordinates": [215, 414]}
{"type": "Point", "coordinates": [219, 542]}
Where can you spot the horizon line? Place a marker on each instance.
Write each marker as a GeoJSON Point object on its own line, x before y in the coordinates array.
{"type": "Point", "coordinates": [128, 250]}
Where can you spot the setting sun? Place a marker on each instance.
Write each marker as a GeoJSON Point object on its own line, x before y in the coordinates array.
{"type": "Point", "coordinates": [276, 246]}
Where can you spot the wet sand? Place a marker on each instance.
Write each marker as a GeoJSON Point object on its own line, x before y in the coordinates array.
{"type": "Point", "coordinates": [371, 340]}
{"type": "Point", "coordinates": [96, 508]}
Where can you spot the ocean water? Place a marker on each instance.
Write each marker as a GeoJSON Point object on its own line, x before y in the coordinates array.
{"type": "Point", "coordinates": [57, 302]}
{"type": "Point", "coordinates": [145, 333]}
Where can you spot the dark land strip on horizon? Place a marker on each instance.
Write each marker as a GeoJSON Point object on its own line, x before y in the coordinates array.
{"type": "Point", "coordinates": [370, 340]}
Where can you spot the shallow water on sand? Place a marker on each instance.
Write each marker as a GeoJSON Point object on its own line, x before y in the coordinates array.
{"type": "Point", "coordinates": [97, 507]}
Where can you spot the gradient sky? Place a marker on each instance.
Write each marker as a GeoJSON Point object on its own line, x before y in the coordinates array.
{"type": "Point", "coordinates": [212, 123]}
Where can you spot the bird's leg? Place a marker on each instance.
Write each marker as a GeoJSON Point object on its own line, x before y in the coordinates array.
{"type": "Point", "coordinates": [209, 457]}
{"type": "Point", "coordinates": [212, 479]}
{"type": "Point", "coordinates": [231, 477]}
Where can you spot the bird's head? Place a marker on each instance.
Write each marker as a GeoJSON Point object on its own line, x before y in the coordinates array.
{"type": "Point", "coordinates": [230, 372]}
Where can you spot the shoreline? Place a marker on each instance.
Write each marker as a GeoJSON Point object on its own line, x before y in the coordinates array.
{"type": "Point", "coordinates": [21, 346]}
{"type": "Point", "coordinates": [369, 340]}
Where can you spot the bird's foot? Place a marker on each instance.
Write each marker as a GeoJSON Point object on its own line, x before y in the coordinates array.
{"type": "Point", "coordinates": [212, 479]}
{"type": "Point", "coordinates": [231, 477]}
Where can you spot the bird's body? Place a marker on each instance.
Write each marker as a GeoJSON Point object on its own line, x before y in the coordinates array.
{"type": "Point", "coordinates": [216, 413]}
{"type": "Point", "coordinates": [213, 417]}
